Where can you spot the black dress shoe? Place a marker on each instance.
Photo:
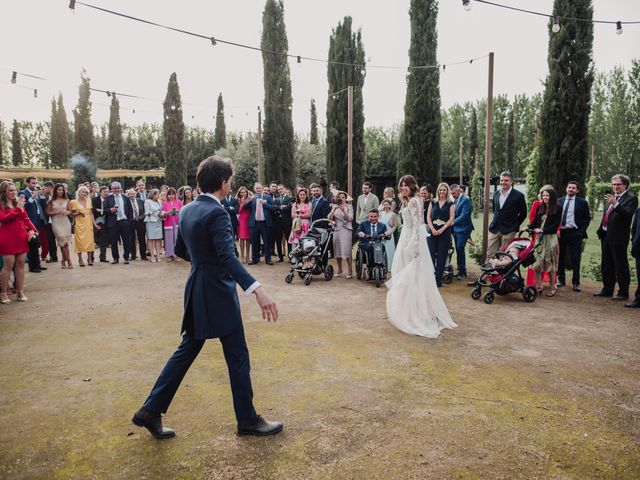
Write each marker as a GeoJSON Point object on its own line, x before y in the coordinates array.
{"type": "Point", "coordinates": [115, 261]}
{"type": "Point", "coordinates": [280, 260]}
{"type": "Point", "coordinates": [576, 287]}
{"type": "Point", "coordinates": [561, 283]}
{"type": "Point", "coordinates": [253, 263]}
{"type": "Point", "coordinates": [603, 294]}
{"type": "Point", "coordinates": [35, 270]}
{"type": "Point", "coordinates": [43, 268]}
{"type": "Point", "coordinates": [126, 262]}
{"type": "Point", "coordinates": [634, 304]}
{"type": "Point", "coordinates": [104, 260]}
{"type": "Point", "coordinates": [153, 423]}
{"type": "Point", "coordinates": [261, 428]}
{"type": "Point", "coordinates": [620, 297]}
{"type": "Point", "coordinates": [269, 262]}
{"type": "Point", "coordinates": [133, 258]}
{"type": "Point", "coordinates": [461, 276]}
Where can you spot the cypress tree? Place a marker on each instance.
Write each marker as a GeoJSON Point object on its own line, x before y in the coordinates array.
{"type": "Point", "coordinates": [59, 134]}
{"type": "Point", "coordinates": [511, 144]}
{"type": "Point", "coordinates": [16, 144]}
{"type": "Point", "coordinates": [2, 158]}
{"type": "Point", "coordinates": [220, 134]}
{"type": "Point", "coordinates": [277, 140]}
{"type": "Point", "coordinates": [564, 117]}
{"type": "Point", "coordinates": [473, 139]}
{"type": "Point", "coordinates": [422, 122]}
{"type": "Point", "coordinates": [313, 137]}
{"type": "Point", "coordinates": [115, 142]}
{"type": "Point", "coordinates": [345, 47]}
{"type": "Point", "coordinates": [83, 141]}
{"type": "Point", "coordinates": [175, 169]}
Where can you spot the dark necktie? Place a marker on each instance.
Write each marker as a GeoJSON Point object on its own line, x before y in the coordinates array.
{"type": "Point", "coordinates": [563, 223]}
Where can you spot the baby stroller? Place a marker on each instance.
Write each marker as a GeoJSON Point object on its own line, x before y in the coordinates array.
{"type": "Point", "coordinates": [310, 257]}
{"type": "Point", "coordinates": [507, 278]}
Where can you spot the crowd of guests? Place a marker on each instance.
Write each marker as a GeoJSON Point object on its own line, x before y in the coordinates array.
{"type": "Point", "coordinates": [269, 221]}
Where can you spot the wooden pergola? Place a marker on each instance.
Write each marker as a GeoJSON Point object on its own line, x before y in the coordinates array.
{"type": "Point", "coordinates": [67, 173]}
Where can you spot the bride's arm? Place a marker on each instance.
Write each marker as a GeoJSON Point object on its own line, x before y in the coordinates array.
{"type": "Point", "coordinates": [415, 212]}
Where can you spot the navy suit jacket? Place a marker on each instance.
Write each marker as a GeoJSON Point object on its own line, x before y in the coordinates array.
{"type": "Point", "coordinates": [232, 206]}
{"type": "Point", "coordinates": [508, 218]}
{"type": "Point", "coordinates": [462, 222]}
{"type": "Point", "coordinates": [581, 214]}
{"type": "Point", "coordinates": [619, 225]}
{"type": "Point", "coordinates": [365, 227]}
{"type": "Point", "coordinates": [321, 210]}
{"type": "Point", "coordinates": [32, 207]}
{"type": "Point", "coordinates": [267, 209]}
{"type": "Point", "coordinates": [112, 218]}
{"type": "Point", "coordinates": [205, 238]}
{"type": "Point", "coordinates": [635, 236]}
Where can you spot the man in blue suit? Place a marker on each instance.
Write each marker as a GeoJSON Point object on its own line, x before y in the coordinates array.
{"type": "Point", "coordinates": [462, 226]}
{"type": "Point", "coordinates": [320, 207]}
{"type": "Point", "coordinates": [573, 228]}
{"type": "Point", "coordinates": [260, 212]}
{"type": "Point", "coordinates": [211, 305]}
{"type": "Point", "coordinates": [370, 227]}
{"type": "Point", "coordinates": [635, 252]}
{"type": "Point", "coordinates": [36, 214]}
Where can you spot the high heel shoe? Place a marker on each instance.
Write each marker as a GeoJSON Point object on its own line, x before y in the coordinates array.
{"type": "Point", "coordinates": [63, 264]}
{"type": "Point", "coordinates": [4, 299]}
{"type": "Point", "coordinates": [21, 297]}
{"type": "Point", "coordinates": [70, 265]}
{"type": "Point", "coordinates": [552, 292]}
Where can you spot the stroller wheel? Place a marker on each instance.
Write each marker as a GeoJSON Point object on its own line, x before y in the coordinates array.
{"type": "Point", "coordinates": [328, 273]}
{"type": "Point", "coordinates": [307, 280]}
{"type": "Point", "coordinates": [476, 293]}
{"type": "Point", "coordinates": [529, 294]}
{"type": "Point", "coordinates": [447, 278]}
{"type": "Point", "coordinates": [289, 277]}
{"type": "Point", "coordinates": [301, 274]}
{"type": "Point", "coordinates": [488, 298]}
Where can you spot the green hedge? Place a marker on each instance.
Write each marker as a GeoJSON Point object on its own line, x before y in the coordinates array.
{"type": "Point", "coordinates": [596, 192]}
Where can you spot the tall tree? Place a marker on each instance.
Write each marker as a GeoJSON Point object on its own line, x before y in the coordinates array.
{"type": "Point", "coordinates": [277, 139]}
{"type": "Point", "coordinates": [422, 157]}
{"type": "Point", "coordinates": [473, 140]}
{"type": "Point", "coordinates": [175, 169]}
{"type": "Point", "coordinates": [313, 137]}
{"type": "Point", "coordinates": [511, 143]}
{"type": "Point", "coordinates": [115, 142]}
{"type": "Point", "coordinates": [564, 118]}
{"type": "Point", "coordinates": [634, 116]}
{"type": "Point", "coordinates": [3, 157]}
{"type": "Point", "coordinates": [59, 142]}
{"type": "Point", "coordinates": [597, 125]}
{"type": "Point", "coordinates": [16, 144]}
{"type": "Point", "coordinates": [83, 142]}
{"type": "Point", "coordinates": [346, 68]}
{"type": "Point", "coordinates": [220, 135]}
{"type": "Point", "coordinates": [619, 141]}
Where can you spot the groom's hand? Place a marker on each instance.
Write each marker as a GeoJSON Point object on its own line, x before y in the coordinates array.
{"type": "Point", "coordinates": [267, 305]}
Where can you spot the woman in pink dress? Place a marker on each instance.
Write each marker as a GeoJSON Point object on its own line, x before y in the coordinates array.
{"type": "Point", "coordinates": [170, 210]}
{"type": "Point", "coordinates": [300, 214]}
{"type": "Point", "coordinates": [244, 234]}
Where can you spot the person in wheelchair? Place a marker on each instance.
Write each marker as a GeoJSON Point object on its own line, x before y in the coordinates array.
{"type": "Point", "coordinates": [370, 228]}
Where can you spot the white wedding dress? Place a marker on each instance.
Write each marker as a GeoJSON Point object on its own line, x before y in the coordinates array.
{"type": "Point", "coordinates": [414, 304]}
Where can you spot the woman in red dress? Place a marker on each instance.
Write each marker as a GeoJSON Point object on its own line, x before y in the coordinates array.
{"type": "Point", "coordinates": [15, 232]}
{"type": "Point", "coordinates": [244, 233]}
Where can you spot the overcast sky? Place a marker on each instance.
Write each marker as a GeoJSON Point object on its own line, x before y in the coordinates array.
{"type": "Point", "coordinates": [44, 38]}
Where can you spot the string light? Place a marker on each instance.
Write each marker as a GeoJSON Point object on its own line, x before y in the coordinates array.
{"type": "Point", "coordinates": [14, 77]}
{"type": "Point", "coordinates": [72, 4]}
{"type": "Point", "coordinates": [466, 4]}
{"type": "Point", "coordinates": [556, 24]}
{"type": "Point", "coordinates": [619, 27]}
{"type": "Point", "coordinates": [35, 93]}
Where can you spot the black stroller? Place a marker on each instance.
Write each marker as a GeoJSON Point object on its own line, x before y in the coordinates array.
{"type": "Point", "coordinates": [310, 257]}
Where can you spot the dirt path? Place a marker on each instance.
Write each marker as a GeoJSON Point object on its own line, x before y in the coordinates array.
{"type": "Point", "coordinates": [543, 390]}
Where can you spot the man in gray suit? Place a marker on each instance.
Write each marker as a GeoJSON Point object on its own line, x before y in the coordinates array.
{"type": "Point", "coordinates": [366, 202]}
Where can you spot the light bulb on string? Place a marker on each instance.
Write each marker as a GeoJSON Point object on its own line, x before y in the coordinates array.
{"type": "Point", "coordinates": [556, 24]}
{"type": "Point", "coordinates": [35, 93]}
{"type": "Point", "coordinates": [299, 59]}
{"type": "Point", "coordinates": [14, 77]}
{"type": "Point", "coordinates": [213, 41]}
{"type": "Point", "coordinates": [619, 27]}
{"type": "Point", "coordinates": [466, 4]}
{"type": "Point", "coordinates": [72, 5]}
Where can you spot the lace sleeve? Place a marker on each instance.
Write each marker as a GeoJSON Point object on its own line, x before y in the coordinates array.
{"type": "Point", "coordinates": [415, 210]}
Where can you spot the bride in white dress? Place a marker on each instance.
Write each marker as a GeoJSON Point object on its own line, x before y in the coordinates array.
{"type": "Point", "coordinates": [414, 304]}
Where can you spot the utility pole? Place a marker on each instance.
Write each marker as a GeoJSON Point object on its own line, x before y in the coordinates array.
{"type": "Point", "coordinates": [260, 159]}
{"type": "Point", "coordinates": [350, 141]}
{"type": "Point", "coordinates": [487, 161]}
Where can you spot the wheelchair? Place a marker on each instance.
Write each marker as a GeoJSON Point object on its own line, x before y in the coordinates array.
{"type": "Point", "coordinates": [374, 268]}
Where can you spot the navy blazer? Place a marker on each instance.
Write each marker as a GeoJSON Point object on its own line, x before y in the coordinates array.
{"type": "Point", "coordinates": [508, 218]}
{"type": "Point", "coordinates": [619, 225]}
{"type": "Point", "coordinates": [581, 214]}
{"type": "Point", "coordinates": [267, 209]}
{"type": "Point", "coordinates": [321, 210]}
{"type": "Point", "coordinates": [365, 227]}
{"type": "Point", "coordinates": [33, 208]}
{"type": "Point", "coordinates": [111, 218]}
{"type": "Point", "coordinates": [462, 222]}
{"type": "Point", "coordinates": [232, 207]}
{"type": "Point", "coordinates": [205, 238]}
{"type": "Point", "coordinates": [635, 235]}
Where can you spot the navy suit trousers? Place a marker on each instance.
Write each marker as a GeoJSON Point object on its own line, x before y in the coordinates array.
{"type": "Point", "coordinates": [258, 231]}
{"type": "Point", "coordinates": [236, 355]}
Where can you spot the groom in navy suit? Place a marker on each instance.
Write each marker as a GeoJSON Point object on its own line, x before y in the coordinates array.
{"type": "Point", "coordinates": [211, 306]}
{"type": "Point", "coordinates": [462, 226]}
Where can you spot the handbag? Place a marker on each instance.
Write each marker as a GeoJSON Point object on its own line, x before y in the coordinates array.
{"type": "Point", "coordinates": [296, 224]}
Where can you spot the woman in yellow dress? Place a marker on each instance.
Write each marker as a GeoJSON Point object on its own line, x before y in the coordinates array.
{"type": "Point", "coordinates": [84, 225]}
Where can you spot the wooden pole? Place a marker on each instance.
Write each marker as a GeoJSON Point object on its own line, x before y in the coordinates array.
{"type": "Point", "coordinates": [260, 157]}
{"type": "Point", "coordinates": [350, 141]}
{"type": "Point", "coordinates": [487, 161]}
{"type": "Point", "coordinates": [461, 154]}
